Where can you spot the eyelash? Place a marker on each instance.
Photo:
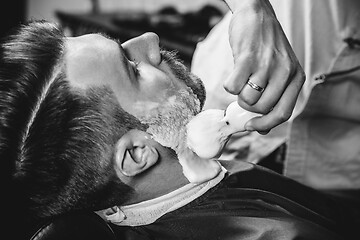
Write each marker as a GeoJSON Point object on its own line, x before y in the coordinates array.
{"type": "Point", "coordinates": [135, 65]}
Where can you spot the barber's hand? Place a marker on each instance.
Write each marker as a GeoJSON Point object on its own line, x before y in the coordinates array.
{"type": "Point", "coordinates": [264, 57]}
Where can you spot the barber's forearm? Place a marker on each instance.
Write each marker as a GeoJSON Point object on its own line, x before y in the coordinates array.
{"type": "Point", "coordinates": [243, 5]}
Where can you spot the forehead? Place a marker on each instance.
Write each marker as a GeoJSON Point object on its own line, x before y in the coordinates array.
{"type": "Point", "coordinates": [89, 58]}
{"type": "Point", "coordinates": [90, 46]}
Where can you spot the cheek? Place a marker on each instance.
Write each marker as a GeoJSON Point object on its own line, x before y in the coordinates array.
{"type": "Point", "coordinates": [156, 85]}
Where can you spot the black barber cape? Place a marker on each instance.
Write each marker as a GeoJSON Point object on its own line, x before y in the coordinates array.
{"type": "Point", "coordinates": [251, 202]}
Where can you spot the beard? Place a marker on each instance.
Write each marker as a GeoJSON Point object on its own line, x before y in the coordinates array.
{"type": "Point", "coordinates": [168, 123]}
{"type": "Point", "coordinates": [182, 73]}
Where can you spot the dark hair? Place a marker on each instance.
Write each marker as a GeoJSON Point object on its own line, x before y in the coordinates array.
{"type": "Point", "coordinates": [59, 140]}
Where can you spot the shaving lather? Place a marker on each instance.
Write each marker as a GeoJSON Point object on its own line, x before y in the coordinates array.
{"type": "Point", "coordinates": [209, 131]}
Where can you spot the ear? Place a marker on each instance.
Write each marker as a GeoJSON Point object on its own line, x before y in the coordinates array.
{"type": "Point", "coordinates": [135, 152]}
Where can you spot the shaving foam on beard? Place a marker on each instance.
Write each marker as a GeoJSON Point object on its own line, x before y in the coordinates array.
{"type": "Point", "coordinates": [209, 131]}
{"type": "Point", "coordinates": [167, 126]}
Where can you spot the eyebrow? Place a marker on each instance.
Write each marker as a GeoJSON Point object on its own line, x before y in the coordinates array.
{"type": "Point", "coordinates": [113, 39]}
{"type": "Point", "coordinates": [108, 36]}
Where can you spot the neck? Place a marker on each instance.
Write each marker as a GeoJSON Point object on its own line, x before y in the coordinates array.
{"type": "Point", "coordinates": [166, 176]}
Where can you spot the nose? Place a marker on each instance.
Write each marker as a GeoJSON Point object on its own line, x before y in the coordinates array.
{"type": "Point", "coordinates": [144, 48]}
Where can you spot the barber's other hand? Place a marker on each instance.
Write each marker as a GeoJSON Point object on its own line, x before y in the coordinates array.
{"type": "Point", "coordinates": [262, 55]}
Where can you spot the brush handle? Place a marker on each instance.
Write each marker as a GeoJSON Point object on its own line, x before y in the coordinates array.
{"type": "Point", "coordinates": [236, 118]}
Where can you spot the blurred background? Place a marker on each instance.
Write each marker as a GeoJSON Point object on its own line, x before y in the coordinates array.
{"type": "Point", "coordinates": [180, 24]}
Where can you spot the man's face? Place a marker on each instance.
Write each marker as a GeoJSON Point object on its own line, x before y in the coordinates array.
{"type": "Point", "coordinates": [148, 83]}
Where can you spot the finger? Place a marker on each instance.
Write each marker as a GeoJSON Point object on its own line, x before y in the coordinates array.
{"type": "Point", "coordinates": [253, 89]}
{"type": "Point", "coordinates": [282, 110]}
{"type": "Point", "coordinates": [239, 76]}
{"type": "Point", "coordinates": [273, 91]}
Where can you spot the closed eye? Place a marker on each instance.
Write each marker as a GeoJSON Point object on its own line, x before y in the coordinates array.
{"type": "Point", "coordinates": [135, 66]}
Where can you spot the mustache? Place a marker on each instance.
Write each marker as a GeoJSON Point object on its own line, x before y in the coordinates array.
{"type": "Point", "coordinates": [172, 58]}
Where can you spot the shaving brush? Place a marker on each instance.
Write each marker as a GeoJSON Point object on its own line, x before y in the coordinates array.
{"type": "Point", "coordinates": [209, 131]}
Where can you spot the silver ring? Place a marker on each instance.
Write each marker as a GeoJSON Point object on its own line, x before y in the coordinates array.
{"type": "Point", "coordinates": [255, 86]}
